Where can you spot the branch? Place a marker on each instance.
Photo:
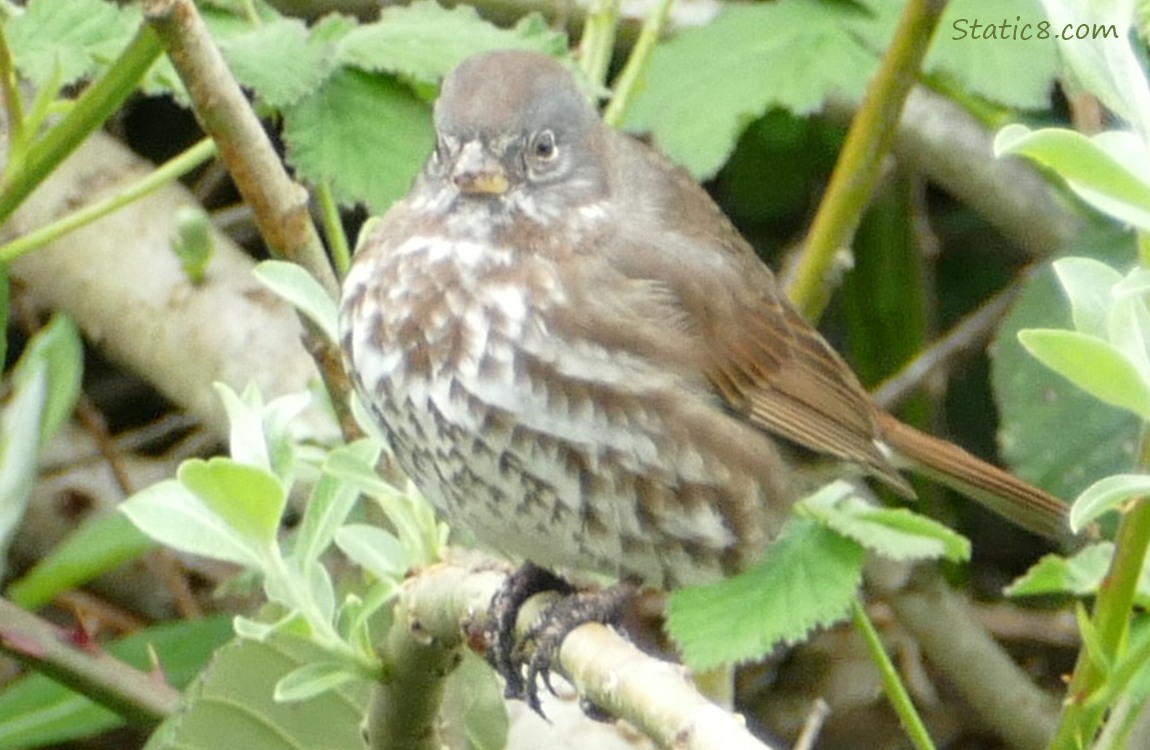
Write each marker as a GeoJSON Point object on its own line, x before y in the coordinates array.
{"type": "Point", "coordinates": [654, 696]}
{"type": "Point", "coordinates": [141, 698]}
{"type": "Point", "coordinates": [998, 690]}
{"type": "Point", "coordinates": [279, 205]}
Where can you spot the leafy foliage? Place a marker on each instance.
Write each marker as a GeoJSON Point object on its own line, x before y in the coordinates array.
{"type": "Point", "coordinates": [808, 577]}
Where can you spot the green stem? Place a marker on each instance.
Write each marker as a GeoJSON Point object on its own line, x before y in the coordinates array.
{"type": "Point", "coordinates": [598, 40]}
{"type": "Point", "coordinates": [867, 143]}
{"type": "Point", "coordinates": [630, 80]}
{"type": "Point", "coordinates": [168, 172]}
{"type": "Point", "coordinates": [895, 691]}
{"type": "Point", "coordinates": [333, 229]}
{"type": "Point", "coordinates": [13, 105]}
{"type": "Point", "coordinates": [1082, 716]}
{"type": "Point", "coordinates": [91, 110]}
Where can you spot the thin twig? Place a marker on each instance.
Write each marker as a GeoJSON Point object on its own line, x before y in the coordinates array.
{"type": "Point", "coordinates": [960, 340]}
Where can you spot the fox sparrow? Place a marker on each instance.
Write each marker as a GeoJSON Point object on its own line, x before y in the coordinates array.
{"type": "Point", "coordinates": [578, 359]}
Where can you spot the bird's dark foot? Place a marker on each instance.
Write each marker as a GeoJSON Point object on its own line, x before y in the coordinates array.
{"type": "Point", "coordinates": [522, 664]}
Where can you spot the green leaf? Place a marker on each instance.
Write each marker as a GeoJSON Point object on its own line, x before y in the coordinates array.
{"type": "Point", "coordinates": [374, 549]}
{"type": "Point", "coordinates": [312, 679]}
{"type": "Point", "coordinates": [100, 545]}
{"type": "Point", "coordinates": [1129, 330]}
{"type": "Point", "coordinates": [364, 134]}
{"type": "Point", "coordinates": [233, 698]}
{"type": "Point", "coordinates": [706, 83]}
{"type": "Point", "coordinates": [474, 697]}
{"type": "Point", "coordinates": [1089, 284]}
{"type": "Point", "coordinates": [250, 500]}
{"type": "Point", "coordinates": [1093, 365]}
{"type": "Point", "coordinates": [58, 345]}
{"type": "Point", "coordinates": [76, 38]}
{"type": "Point", "coordinates": [39, 711]}
{"type": "Point", "coordinates": [1092, 167]}
{"type": "Point", "coordinates": [19, 438]}
{"type": "Point", "coordinates": [1034, 403]}
{"type": "Point", "coordinates": [424, 40]}
{"type": "Point", "coordinates": [806, 580]}
{"type": "Point", "coordinates": [280, 59]}
{"type": "Point", "coordinates": [1006, 68]}
{"type": "Point", "coordinates": [896, 533]}
{"type": "Point", "coordinates": [1105, 495]}
{"type": "Point", "coordinates": [1079, 576]}
{"type": "Point", "coordinates": [291, 282]}
{"type": "Point", "coordinates": [169, 513]}
{"type": "Point", "coordinates": [331, 502]}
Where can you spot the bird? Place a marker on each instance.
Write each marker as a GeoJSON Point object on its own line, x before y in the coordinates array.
{"type": "Point", "coordinates": [581, 363]}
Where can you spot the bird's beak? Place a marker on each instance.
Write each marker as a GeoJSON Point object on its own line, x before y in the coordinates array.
{"type": "Point", "coordinates": [478, 172]}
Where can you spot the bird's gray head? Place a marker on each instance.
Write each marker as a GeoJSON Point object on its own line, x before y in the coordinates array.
{"type": "Point", "coordinates": [514, 125]}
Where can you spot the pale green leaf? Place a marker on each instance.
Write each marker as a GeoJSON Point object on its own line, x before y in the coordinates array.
{"type": "Point", "coordinates": [297, 286]}
{"type": "Point", "coordinates": [1098, 176]}
{"type": "Point", "coordinates": [424, 40]}
{"type": "Point", "coordinates": [331, 502]}
{"type": "Point", "coordinates": [1129, 332]}
{"type": "Point", "coordinates": [19, 438]}
{"type": "Point", "coordinates": [374, 549]}
{"type": "Point", "coordinates": [312, 679]}
{"type": "Point", "coordinates": [1089, 284]}
{"type": "Point", "coordinates": [1093, 365]}
{"type": "Point", "coordinates": [234, 698]}
{"type": "Point", "coordinates": [169, 513]}
{"type": "Point", "coordinates": [705, 84]}
{"type": "Point", "coordinates": [1105, 495]}
{"type": "Point", "coordinates": [249, 499]}
{"type": "Point", "coordinates": [807, 579]}
{"type": "Point", "coordinates": [1079, 576]}
{"type": "Point", "coordinates": [896, 533]}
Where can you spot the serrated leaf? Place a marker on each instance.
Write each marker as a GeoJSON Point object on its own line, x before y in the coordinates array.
{"type": "Point", "coordinates": [424, 40]}
{"type": "Point", "coordinates": [291, 282]}
{"type": "Point", "coordinates": [1094, 365]}
{"type": "Point", "coordinates": [374, 549]}
{"type": "Point", "coordinates": [1079, 575]}
{"type": "Point", "coordinates": [39, 711]}
{"type": "Point", "coordinates": [313, 679]}
{"type": "Point", "coordinates": [250, 500]}
{"type": "Point", "coordinates": [1089, 284]}
{"type": "Point", "coordinates": [1105, 495]}
{"type": "Point", "coordinates": [1006, 69]}
{"type": "Point", "coordinates": [74, 38]}
{"type": "Point", "coordinates": [1034, 403]}
{"type": "Point", "coordinates": [707, 83]}
{"type": "Point", "coordinates": [807, 580]}
{"type": "Point", "coordinates": [1102, 179]}
{"type": "Point", "coordinates": [280, 60]}
{"type": "Point", "coordinates": [234, 698]}
{"type": "Point", "coordinates": [169, 513]}
{"type": "Point", "coordinates": [364, 134]}
{"type": "Point", "coordinates": [896, 533]}
{"type": "Point", "coordinates": [98, 546]}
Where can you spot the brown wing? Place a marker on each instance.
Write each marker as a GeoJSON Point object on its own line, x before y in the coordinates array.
{"type": "Point", "coordinates": [759, 356]}
{"type": "Point", "coordinates": [782, 376]}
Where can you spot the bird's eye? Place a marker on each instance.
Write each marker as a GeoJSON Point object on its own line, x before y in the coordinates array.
{"type": "Point", "coordinates": [543, 146]}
